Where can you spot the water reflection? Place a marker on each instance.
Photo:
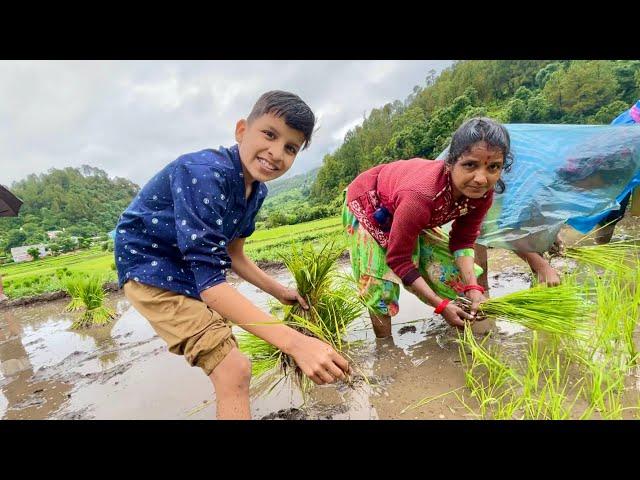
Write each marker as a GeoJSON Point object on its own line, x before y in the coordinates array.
{"type": "Point", "coordinates": [25, 396]}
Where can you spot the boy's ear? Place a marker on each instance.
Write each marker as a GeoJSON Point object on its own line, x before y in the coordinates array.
{"type": "Point", "coordinates": [241, 128]}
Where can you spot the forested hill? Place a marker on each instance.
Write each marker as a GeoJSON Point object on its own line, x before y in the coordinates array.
{"type": "Point", "coordinates": [84, 201]}
{"type": "Point", "coordinates": [523, 91]}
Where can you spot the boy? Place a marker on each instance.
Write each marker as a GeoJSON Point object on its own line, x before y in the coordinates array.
{"type": "Point", "coordinates": [187, 227]}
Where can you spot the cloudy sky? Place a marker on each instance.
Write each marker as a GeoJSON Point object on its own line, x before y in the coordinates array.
{"type": "Point", "coordinates": [130, 118]}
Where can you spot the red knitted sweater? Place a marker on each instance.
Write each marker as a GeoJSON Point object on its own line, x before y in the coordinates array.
{"type": "Point", "coordinates": [418, 193]}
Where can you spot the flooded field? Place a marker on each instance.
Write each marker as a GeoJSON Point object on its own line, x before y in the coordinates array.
{"type": "Point", "coordinates": [124, 371]}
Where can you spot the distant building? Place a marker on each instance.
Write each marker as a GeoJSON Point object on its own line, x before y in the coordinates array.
{"type": "Point", "coordinates": [20, 254]}
{"type": "Point", "coordinates": [53, 234]}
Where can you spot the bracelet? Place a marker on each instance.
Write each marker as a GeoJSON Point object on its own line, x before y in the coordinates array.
{"type": "Point", "coordinates": [473, 287]}
{"type": "Point", "coordinates": [443, 304]}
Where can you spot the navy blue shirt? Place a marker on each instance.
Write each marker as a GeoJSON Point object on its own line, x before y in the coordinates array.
{"type": "Point", "coordinates": [174, 234]}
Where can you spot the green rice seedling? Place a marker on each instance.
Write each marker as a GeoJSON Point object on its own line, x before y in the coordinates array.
{"type": "Point", "coordinates": [427, 400]}
{"type": "Point", "coordinates": [630, 320]}
{"type": "Point", "coordinates": [73, 286]}
{"type": "Point", "coordinates": [559, 310]}
{"type": "Point", "coordinates": [90, 295]}
{"type": "Point", "coordinates": [533, 370]}
{"type": "Point", "coordinates": [333, 306]}
{"type": "Point", "coordinates": [264, 355]}
{"type": "Point", "coordinates": [555, 392]}
{"type": "Point", "coordinates": [617, 299]}
{"type": "Point", "coordinates": [508, 404]}
{"type": "Point", "coordinates": [616, 257]}
{"type": "Point", "coordinates": [603, 390]}
{"type": "Point", "coordinates": [486, 365]}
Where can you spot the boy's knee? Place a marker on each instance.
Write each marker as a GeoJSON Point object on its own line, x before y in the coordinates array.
{"type": "Point", "coordinates": [234, 370]}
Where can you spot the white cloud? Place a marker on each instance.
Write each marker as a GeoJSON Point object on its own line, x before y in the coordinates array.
{"type": "Point", "coordinates": [130, 118]}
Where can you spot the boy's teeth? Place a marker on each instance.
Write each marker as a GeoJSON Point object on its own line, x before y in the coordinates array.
{"type": "Point", "coordinates": [267, 164]}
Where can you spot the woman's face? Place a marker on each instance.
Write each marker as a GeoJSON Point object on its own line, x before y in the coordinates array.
{"type": "Point", "coordinates": [476, 171]}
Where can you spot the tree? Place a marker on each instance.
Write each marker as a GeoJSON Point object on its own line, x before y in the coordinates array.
{"type": "Point", "coordinates": [15, 238]}
{"type": "Point", "coordinates": [34, 252]}
{"type": "Point", "coordinates": [516, 111]}
{"type": "Point", "coordinates": [84, 242]}
{"type": "Point", "coordinates": [538, 109]}
{"type": "Point", "coordinates": [54, 248]}
{"type": "Point", "coordinates": [626, 73]}
{"type": "Point", "coordinates": [583, 89]}
{"type": "Point", "coordinates": [607, 113]}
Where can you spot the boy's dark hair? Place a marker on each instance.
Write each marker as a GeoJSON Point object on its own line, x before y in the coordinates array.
{"type": "Point", "coordinates": [480, 129]}
{"type": "Point", "coordinates": [295, 113]}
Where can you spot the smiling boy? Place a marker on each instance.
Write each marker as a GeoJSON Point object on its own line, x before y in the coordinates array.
{"type": "Point", "coordinates": [187, 227]}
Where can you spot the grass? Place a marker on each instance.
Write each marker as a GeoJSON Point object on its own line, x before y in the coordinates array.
{"type": "Point", "coordinates": [582, 351]}
{"type": "Point", "coordinates": [33, 278]}
{"type": "Point", "coordinates": [333, 306]}
{"type": "Point", "coordinates": [88, 295]}
{"type": "Point", "coordinates": [616, 257]}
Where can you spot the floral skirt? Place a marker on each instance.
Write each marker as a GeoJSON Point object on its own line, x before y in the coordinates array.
{"type": "Point", "coordinates": [378, 286]}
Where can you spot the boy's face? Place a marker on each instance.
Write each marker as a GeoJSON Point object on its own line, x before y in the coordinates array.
{"type": "Point", "coordinates": [268, 147]}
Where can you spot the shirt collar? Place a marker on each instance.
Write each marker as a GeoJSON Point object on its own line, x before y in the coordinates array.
{"type": "Point", "coordinates": [256, 192]}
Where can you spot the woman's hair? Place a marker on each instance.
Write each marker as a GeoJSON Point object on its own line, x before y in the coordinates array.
{"type": "Point", "coordinates": [481, 129]}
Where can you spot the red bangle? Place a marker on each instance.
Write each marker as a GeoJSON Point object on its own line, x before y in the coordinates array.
{"type": "Point", "coordinates": [472, 287]}
{"type": "Point", "coordinates": [442, 306]}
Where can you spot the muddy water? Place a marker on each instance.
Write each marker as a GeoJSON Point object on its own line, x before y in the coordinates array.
{"type": "Point", "coordinates": [124, 371]}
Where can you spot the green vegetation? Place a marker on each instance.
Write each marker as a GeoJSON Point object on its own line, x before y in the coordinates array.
{"type": "Point", "coordinates": [562, 376]}
{"type": "Point", "coordinates": [83, 201]}
{"type": "Point", "coordinates": [333, 306]}
{"type": "Point", "coordinates": [522, 91]}
{"type": "Point", "coordinates": [88, 295]}
{"type": "Point", "coordinates": [44, 275]}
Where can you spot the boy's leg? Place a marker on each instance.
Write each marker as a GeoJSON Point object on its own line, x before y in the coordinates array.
{"type": "Point", "coordinates": [205, 339]}
{"type": "Point", "coordinates": [231, 382]}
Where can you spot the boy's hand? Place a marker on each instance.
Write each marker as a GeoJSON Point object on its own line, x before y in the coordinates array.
{"type": "Point", "coordinates": [318, 360]}
{"type": "Point", "coordinates": [289, 296]}
{"type": "Point", "coordinates": [476, 298]}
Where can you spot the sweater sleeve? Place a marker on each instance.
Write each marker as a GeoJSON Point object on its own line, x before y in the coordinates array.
{"type": "Point", "coordinates": [409, 219]}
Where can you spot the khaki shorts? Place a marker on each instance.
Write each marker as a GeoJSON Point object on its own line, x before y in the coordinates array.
{"type": "Point", "coordinates": [189, 326]}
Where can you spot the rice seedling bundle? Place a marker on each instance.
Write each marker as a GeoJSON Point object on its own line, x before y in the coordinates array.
{"type": "Point", "coordinates": [615, 256]}
{"type": "Point", "coordinates": [87, 293]}
{"type": "Point", "coordinates": [333, 306]}
{"type": "Point", "coordinates": [559, 310]}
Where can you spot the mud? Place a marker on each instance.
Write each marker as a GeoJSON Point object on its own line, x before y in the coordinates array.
{"type": "Point", "coordinates": [124, 370]}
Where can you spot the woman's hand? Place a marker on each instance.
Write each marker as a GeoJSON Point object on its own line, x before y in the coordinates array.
{"type": "Point", "coordinates": [455, 316]}
{"type": "Point", "coordinates": [476, 298]}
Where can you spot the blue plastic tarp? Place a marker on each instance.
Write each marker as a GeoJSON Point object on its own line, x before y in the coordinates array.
{"type": "Point", "coordinates": [561, 173]}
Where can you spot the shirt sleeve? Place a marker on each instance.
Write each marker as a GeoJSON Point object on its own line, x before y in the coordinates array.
{"type": "Point", "coordinates": [200, 196]}
{"type": "Point", "coordinates": [466, 229]}
{"type": "Point", "coordinates": [409, 219]}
